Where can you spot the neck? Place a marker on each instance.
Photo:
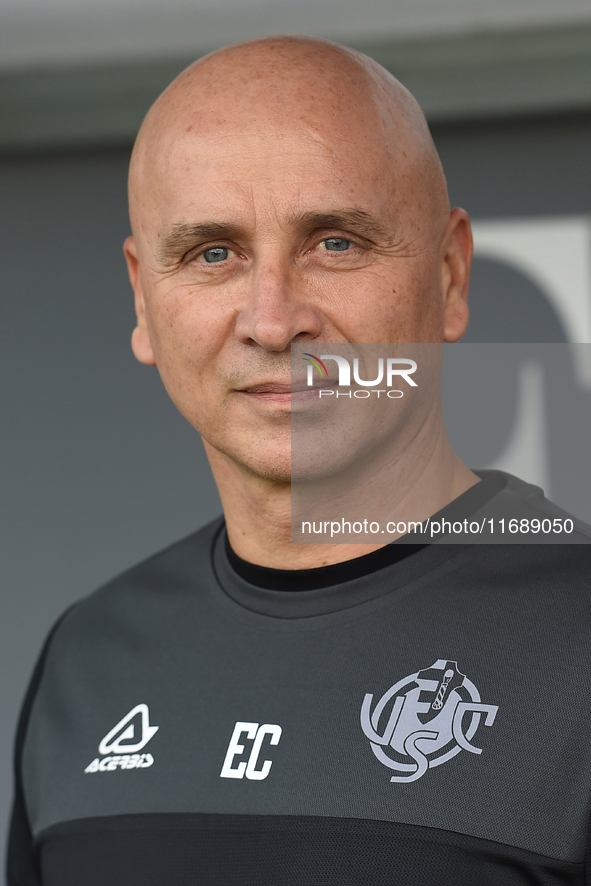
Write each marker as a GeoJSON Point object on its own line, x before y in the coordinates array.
{"type": "Point", "coordinates": [424, 478]}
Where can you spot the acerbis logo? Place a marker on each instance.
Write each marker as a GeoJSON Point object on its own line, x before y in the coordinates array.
{"type": "Point", "coordinates": [130, 735]}
{"type": "Point", "coordinates": [120, 735]}
{"type": "Point", "coordinates": [395, 366]}
{"type": "Point", "coordinates": [427, 718]}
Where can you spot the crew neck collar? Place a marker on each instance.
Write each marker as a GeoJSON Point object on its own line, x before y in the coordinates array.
{"type": "Point", "coordinates": [320, 576]}
{"type": "Point", "coordinates": [368, 577]}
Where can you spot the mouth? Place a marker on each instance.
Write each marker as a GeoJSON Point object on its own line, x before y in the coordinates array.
{"type": "Point", "coordinates": [286, 393]}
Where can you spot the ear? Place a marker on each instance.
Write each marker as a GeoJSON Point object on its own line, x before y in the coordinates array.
{"type": "Point", "coordinates": [140, 338]}
{"type": "Point", "coordinates": [456, 261]}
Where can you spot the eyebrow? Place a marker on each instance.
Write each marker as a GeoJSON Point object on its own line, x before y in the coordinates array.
{"type": "Point", "coordinates": [357, 221]}
{"type": "Point", "coordinates": [183, 236]}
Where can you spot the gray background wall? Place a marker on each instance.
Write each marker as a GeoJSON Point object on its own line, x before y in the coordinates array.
{"type": "Point", "coordinates": [98, 469]}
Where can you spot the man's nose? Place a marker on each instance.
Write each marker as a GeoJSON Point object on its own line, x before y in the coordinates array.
{"type": "Point", "coordinates": [278, 309]}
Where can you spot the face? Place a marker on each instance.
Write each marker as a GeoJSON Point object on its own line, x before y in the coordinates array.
{"type": "Point", "coordinates": [259, 235]}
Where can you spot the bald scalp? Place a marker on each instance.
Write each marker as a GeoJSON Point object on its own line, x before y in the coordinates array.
{"type": "Point", "coordinates": [292, 81]}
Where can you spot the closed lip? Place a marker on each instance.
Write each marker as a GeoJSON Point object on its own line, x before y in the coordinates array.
{"type": "Point", "coordinates": [275, 388]}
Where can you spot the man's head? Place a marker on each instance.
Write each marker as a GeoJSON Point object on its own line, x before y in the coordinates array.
{"type": "Point", "coordinates": [284, 190]}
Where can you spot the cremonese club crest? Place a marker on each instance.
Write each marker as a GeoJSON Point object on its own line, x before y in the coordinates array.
{"type": "Point", "coordinates": [424, 720]}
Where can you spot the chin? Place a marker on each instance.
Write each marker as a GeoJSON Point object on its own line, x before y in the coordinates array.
{"type": "Point", "coordinates": [268, 465]}
{"type": "Point", "coordinates": [275, 472]}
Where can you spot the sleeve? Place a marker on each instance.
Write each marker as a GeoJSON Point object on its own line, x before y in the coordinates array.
{"type": "Point", "coordinates": [22, 865]}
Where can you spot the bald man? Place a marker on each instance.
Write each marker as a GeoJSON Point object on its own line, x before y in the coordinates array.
{"type": "Point", "coordinates": [240, 709]}
{"type": "Point", "coordinates": [293, 189]}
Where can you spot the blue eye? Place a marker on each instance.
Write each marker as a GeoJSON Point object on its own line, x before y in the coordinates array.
{"type": "Point", "coordinates": [215, 254]}
{"type": "Point", "coordinates": [336, 244]}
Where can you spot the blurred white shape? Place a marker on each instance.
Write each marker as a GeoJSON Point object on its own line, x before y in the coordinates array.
{"type": "Point", "coordinates": [526, 452]}
{"type": "Point", "coordinates": [556, 254]}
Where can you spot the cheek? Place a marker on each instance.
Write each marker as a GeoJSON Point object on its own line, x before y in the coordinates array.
{"type": "Point", "coordinates": [358, 303]}
{"type": "Point", "coordinates": [430, 309]}
{"type": "Point", "coordinates": [186, 340]}
{"type": "Point", "coordinates": [387, 306]}
{"type": "Point", "coordinates": [415, 311]}
{"type": "Point", "coordinates": [184, 328]}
